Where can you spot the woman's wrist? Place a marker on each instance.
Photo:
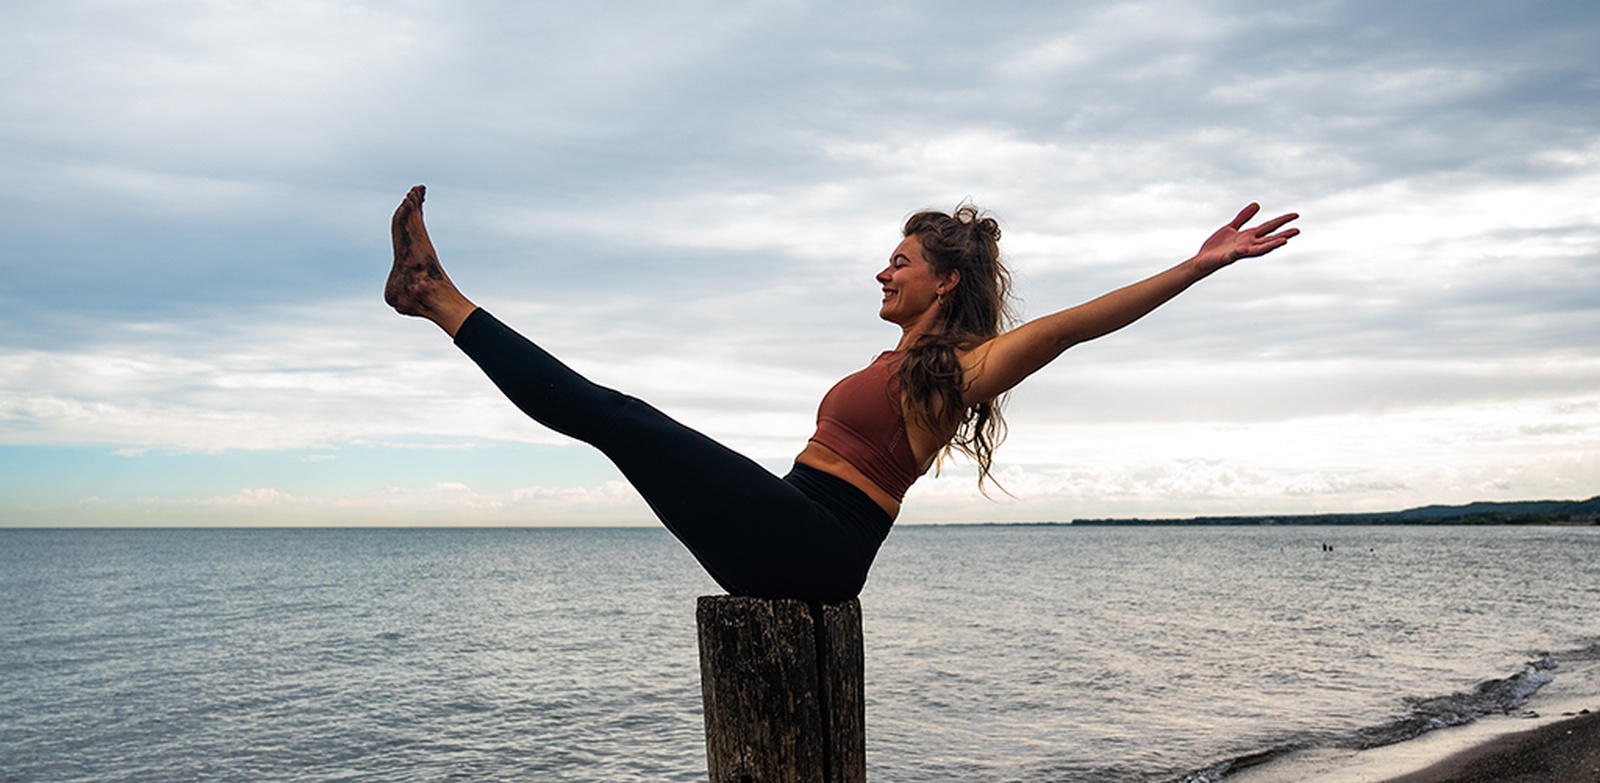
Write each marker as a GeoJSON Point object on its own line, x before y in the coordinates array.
{"type": "Point", "coordinates": [1199, 267]}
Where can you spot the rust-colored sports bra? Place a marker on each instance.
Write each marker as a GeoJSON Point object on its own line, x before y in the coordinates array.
{"type": "Point", "coordinates": [860, 420]}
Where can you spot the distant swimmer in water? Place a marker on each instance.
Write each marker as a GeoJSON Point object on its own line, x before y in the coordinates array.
{"type": "Point", "coordinates": [813, 533]}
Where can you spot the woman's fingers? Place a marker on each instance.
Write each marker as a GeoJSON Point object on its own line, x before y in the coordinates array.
{"type": "Point", "coordinates": [1244, 216]}
{"type": "Point", "coordinates": [1276, 223]}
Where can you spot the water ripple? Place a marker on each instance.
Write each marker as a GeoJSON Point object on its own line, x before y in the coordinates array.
{"type": "Point", "coordinates": [1026, 654]}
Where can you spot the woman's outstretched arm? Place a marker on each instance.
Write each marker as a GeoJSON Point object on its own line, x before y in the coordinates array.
{"type": "Point", "coordinates": [996, 366]}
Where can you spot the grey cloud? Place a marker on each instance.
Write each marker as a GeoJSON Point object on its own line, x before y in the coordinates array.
{"type": "Point", "coordinates": [164, 172]}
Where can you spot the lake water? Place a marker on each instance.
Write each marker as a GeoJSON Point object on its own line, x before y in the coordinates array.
{"type": "Point", "coordinates": [993, 653]}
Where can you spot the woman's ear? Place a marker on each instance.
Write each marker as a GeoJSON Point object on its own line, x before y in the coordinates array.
{"type": "Point", "coordinates": [951, 279]}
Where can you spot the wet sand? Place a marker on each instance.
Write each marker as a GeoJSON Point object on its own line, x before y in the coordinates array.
{"type": "Point", "coordinates": [1555, 740]}
{"type": "Point", "coordinates": [1564, 752]}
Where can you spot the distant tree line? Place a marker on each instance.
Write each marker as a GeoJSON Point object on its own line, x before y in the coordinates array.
{"type": "Point", "coordinates": [1527, 512]}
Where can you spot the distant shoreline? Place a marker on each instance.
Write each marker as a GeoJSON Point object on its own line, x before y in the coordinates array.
{"type": "Point", "coordinates": [1565, 513]}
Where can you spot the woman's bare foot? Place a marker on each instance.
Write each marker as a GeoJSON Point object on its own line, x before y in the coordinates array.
{"type": "Point", "coordinates": [417, 284]}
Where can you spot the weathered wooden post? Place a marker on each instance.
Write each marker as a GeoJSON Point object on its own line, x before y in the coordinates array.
{"type": "Point", "coordinates": [782, 685]}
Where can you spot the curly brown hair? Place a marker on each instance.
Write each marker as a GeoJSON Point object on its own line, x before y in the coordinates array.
{"type": "Point", "coordinates": [977, 309]}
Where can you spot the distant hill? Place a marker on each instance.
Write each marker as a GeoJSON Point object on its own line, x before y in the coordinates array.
{"type": "Point", "coordinates": [1525, 512]}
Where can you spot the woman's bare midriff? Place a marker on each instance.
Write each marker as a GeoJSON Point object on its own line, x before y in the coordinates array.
{"type": "Point", "coordinates": [815, 455]}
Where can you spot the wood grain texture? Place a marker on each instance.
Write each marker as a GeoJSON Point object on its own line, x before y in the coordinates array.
{"type": "Point", "coordinates": [782, 687]}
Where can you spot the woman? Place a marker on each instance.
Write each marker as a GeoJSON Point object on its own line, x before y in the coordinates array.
{"type": "Point", "coordinates": [813, 533]}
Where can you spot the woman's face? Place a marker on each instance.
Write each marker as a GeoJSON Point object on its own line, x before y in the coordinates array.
{"type": "Point", "coordinates": [911, 288]}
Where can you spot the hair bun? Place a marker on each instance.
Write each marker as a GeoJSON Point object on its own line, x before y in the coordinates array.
{"type": "Point", "coordinates": [969, 215]}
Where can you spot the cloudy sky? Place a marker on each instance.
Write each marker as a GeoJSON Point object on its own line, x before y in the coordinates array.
{"type": "Point", "coordinates": [689, 201]}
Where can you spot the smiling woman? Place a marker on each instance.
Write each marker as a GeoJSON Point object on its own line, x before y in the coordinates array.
{"type": "Point", "coordinates": [877, 430]}
{"type": "Point", "coordinates": [956, 258]}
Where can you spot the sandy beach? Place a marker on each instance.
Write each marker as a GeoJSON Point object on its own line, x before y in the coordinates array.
{"type": "Point", "coordinates": [1555, 739]}
{"type": "Point", "coordinates": [1563, 752]}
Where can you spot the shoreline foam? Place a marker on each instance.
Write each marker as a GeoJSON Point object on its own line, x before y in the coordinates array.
{"type": "Point", "coordinates": [1564, 752]}
{"type": "Point", "coordinates": [1486, 749]}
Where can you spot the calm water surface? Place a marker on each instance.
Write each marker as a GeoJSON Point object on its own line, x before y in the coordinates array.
{"type": "Point", "coordinates": [1005, 653]}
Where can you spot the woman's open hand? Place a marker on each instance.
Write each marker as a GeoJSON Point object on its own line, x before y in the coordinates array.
{"type": "Point", "coordinates": [1233, 241]}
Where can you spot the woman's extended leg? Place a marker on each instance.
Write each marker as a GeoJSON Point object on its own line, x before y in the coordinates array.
{"type": "Point", "coordinates": [754, 533]}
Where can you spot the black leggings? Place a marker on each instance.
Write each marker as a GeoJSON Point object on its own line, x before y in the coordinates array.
{"type": "Point", "coordinates": [808, 535]}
